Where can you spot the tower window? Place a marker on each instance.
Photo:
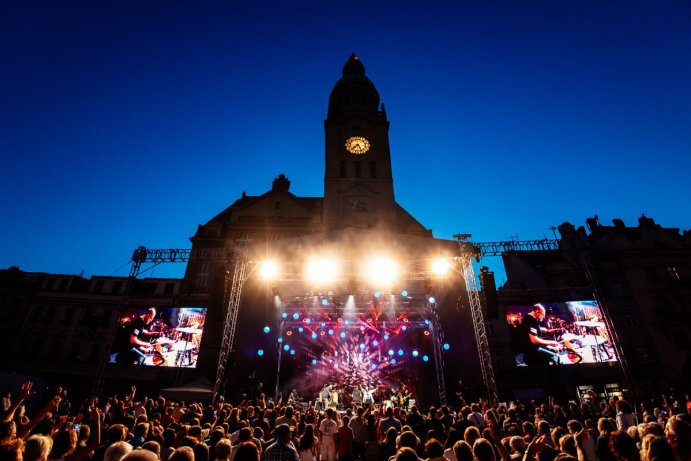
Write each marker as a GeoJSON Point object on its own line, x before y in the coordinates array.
{"type": "Point", "coordinates": [373, 169]}
{"type": "Point", "coordinates": [358, 169]}
{"type": "Point", "coordinates": [343, 169]}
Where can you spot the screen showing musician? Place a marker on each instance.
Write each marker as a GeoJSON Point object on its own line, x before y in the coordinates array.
{"type": "Point", "coordinates": [559, 333]}
{"type": "Point", "coordinates": [159, 336]}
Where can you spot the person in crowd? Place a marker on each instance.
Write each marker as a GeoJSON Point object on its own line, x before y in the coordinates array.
{"type": "Point", "coordinates": [389, 422]}
{"type": "Point", "coordinates": [328, 430]}
{"type": "Point", "coordinates": [282, 449]}
{"type": "Point", "coordinates": [388, 445]}
{"type": "Point", "coordinates": [623, 446]}
{"type": "Point", "coordinates": [357, 425]}
{"type": "Point", "coordinates": [308, 447]}
{"type": "Point", "coordinates": [406, 454]}
{"type": "Point", "coordinates": [434, 451]}
{"type": "Point", "coordinates": [37, 448]}
{"type": "Point", "coordinates": [345, 441]}
{"type": "Point", "coordinates": [182, 454]}
{"type": "Point", "coordinates": [222, 450]}
{"type": "Point", "coordinates": [248, 451]}
{"type": "Point", "coordinates": [625, 417]}
{"type": "Point", "coordinates": [116, 451]}
{"type": "Point", "coordinates": [678, 431]}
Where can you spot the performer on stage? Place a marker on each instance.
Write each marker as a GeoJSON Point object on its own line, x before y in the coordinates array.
{"type": "Point", "coordinates": [534, 346]}
{"type": "Point", "coordinates": [358, 394]}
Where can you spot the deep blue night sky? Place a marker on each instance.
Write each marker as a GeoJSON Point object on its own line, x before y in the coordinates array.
{"type": "Point", "coordinates": [128, 123]}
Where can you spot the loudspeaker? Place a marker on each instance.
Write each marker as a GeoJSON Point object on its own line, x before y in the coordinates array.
{"type": "Point", "coordinates": [489, 293]}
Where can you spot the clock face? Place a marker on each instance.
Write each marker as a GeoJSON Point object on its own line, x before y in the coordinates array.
{"type": "Point", "coordinates": [357, 145]}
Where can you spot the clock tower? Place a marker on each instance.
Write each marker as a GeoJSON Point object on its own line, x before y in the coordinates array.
{"type": "Point", "coordinates": [358, 185]}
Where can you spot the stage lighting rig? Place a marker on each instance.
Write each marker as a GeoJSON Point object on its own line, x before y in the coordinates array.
{"type": "Point", "coordinates": [321, 270]}
{"type": "Point", "coordinates": [382, 271]}
{"type": "Point", "coordinates": [268, 270]}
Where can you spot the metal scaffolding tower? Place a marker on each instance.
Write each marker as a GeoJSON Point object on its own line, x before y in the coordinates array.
{"type": "Point", "coordinates": [438, 340]}
{"type": "Point", "coordinates": [232, 296]}
{"type": "Point", "coordinates": [468, 252]}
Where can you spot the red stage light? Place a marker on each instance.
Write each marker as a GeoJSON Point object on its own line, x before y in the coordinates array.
{"type": "Point", "coordinates": [289, 332]}
{"type": "Point", "coordinates": [324, 333]}
{"type": "Point", "coordinates": [405, 319]}
{"type": "Point", "coordinates": [426, 333]}
{"type": "Point", "coordinates": [340, 320]}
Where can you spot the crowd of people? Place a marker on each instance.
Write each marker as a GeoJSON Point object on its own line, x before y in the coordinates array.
{"type": "Point", "coordinates": [132, 428]}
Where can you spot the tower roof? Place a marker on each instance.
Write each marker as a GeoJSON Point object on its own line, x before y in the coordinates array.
{"type": "Point", "coordinates": [354, 93]}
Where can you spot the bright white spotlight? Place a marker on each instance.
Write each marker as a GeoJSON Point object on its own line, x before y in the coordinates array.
{"type": "Point", "coordinates": [382, 271]}
{"type": "Point", "coordinates": [440, 266]}
{"type": "Point", "coordinates": [321, 271]}
{"type": "Point", "coordinates": [268, 270]}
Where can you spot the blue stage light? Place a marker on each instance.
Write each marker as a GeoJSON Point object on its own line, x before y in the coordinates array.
{"type": "Point", "coordinates": [404, 293]}
{"type": "Point", "coordinates": [335, 365]}
{"type": "Point", "coordinates": [280, 340]}
{"type": "Point", "coordinates": [292, 352]}
{"type": "Point", "coordinates": [446, 346]}
{"type": "Point", "coordinates": [362, 328]}
{"type": "Point", "coordinates": [296, 316]}
{"type": "Point", "coordinates": [314, 336]}
{"type": "Point", "coordinates": [400, 352]}
{"type": "Point", "coordinates": [300, 329]}
{"type": "Point", "coordinates": [393, 361]}
{"type": "Point", "coordinates": [267, 329]}
{"type": "Point", "coordinates": [286, 347]}
{"type": "Point", "coordinates": [375, 342]}
{"type": "Point", "coordinates": [391, 352]}
{"type": "Point", "coordinates": [374, 367]}
{"type": "Point", "coordinates": [325, 302]}
{"type": "Point", "coordinates": [260, 352]}
{"type": "Point", "coordinates": [415, 353]}
{"type": "Point", "coordinates": [362, 346]}
{"type": "Point", "coordinates": [425, 358]}
{"type": "Point", "coordinates": [342, 334]}
{"type": "Point", "coordinates": [426, 322]}
{"type": "Point", "coordinates": [347, 322]}
{"type": "Point", "coordinates": [377, 294]}
{"type": "Point", "coordinates": [386, 337]}
{"type": "Point", "coordinates": [323, 324]}
{"type": "Point", "coordinates": [284, 315]}
{"type": "Point", "coordinates": [432, 300]}
{"type": "Point", "coordinates": [404, 328]}
{"type": "Point", "coordinates": [331, 332]}
{"type": "Point", "coordinates": [308, 321]}
{"type": "Point", "coordinates": [314, 361]}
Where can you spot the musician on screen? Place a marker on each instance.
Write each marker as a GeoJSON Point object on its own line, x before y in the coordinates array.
{"type": "Point", "coordinates": [130, 340]}
{"type": "Point", "coordinates": [535, 347]}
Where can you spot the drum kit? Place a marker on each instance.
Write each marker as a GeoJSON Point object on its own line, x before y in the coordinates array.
{"type": "Point", "coordinates": [174, 352]}
{"type": "Point", "coordinates": [588, 347]}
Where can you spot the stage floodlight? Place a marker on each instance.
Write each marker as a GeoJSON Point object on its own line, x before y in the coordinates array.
{"type": "Point", "coordinates": [260, 352]}
{"type": "Point", "coordinates": [382, 271]}
{"type": "Point", "coordinates": [268, 270]}
{"type": "Point", "coordinates": [314, 361]}
{"type": "Point", "coordinates": [440, 267]}
{"type": "Point", "coordinates": [267, 329]}
{"type": "Point", "coordinates": [321, 271]}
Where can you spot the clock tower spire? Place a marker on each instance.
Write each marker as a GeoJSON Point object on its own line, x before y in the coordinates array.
{"type": "Point", "coordinates": [358, 185]}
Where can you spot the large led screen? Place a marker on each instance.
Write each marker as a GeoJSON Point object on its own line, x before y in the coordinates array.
{"type": "Point", "coordinates": [559, 333]}
{"type": "Point", "coordinates": [159, 336]}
